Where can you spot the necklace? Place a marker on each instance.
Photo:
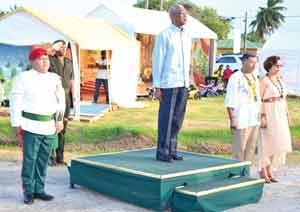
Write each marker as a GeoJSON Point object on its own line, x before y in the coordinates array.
{"type": "Point", "coordinates": [278, 82]}
{"type": "Point", "coordinates": [252, 85]}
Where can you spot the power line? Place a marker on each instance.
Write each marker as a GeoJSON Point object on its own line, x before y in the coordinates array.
{"type": "Point", "coordinates": [253, 17]}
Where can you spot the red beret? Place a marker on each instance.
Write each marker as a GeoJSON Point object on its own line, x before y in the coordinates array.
{"type": "Point", "coordinates": [36, 53]}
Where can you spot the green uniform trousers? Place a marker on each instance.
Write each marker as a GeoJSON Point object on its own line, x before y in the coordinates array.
{"type": "Point", "coordinates": [36, 153]}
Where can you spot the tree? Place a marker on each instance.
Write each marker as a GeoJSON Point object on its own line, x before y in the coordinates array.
{"type": "Point", "coordinates": [269, 18]}
{"type": "Point", "coordinates": [14, 72]}
{"type": "Point", "coordinates": [1, 73]}
{"type": "Point", "coordinates": [208, 16]}
{"type": "Point", "coordinates": [253, 37]}
{"type": "Point", "coordinates": [155, 4]}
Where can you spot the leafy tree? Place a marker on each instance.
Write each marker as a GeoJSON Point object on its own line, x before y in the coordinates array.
{"type": "Point", "coordinates": [268, 18]}
{"type": "Point", "coordinates": [208, 16]}
{"type": "Point", "coordinates": [253, 37]}
{"type": "Point", "coordinates": [1, 73]}
{"type": "Point", "coordinates": [155, 4]}
{"type": "Point", "coordinates": [7, 65]}
{"type": "Point", "coordinates": [2, 13]}
{"type": "Point", "coordinates": [14, 72]}
{"type": "Point", "coordinates": [21, 64]}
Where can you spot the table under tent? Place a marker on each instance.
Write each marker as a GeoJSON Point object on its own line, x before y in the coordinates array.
{"type": "Point", "coordinates": [32, 27]}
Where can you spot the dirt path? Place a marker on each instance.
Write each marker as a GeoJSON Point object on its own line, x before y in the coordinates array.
{"type": "Point", "coordinates": [280, 197]}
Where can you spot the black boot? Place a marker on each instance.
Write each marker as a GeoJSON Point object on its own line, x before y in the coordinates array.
{"type": "Point", "coordinates": [43, 196]}
{"type": "Point", "coordinates": [28, 199]}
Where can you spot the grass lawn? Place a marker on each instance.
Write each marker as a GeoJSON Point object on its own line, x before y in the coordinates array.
{"type": "Point", "coordinates": [205, 122]}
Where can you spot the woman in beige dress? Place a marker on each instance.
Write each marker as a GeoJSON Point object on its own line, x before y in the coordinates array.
{"type": "Point", "coordinates": [275, 137]}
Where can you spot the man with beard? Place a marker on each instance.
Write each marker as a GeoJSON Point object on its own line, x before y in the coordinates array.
{"type": "Point", "coordinates": [62, 66]}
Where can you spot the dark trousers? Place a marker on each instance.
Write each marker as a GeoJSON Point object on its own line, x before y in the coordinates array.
{"type": "Point", "coordinates": [98, 85]}
{"type": "Point", "coordinates": [36, 153]}
{"type": "Point", "coordinates": [61, 136]}
{"type": "Point", "coordinates": [61, 144]}
{"type": "Point", "coordinates": [170, 118]}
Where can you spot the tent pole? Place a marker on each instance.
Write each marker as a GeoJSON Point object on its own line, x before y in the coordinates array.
{"type": "Point", "coordinates": [108, 59]}
{"type": "Point", "coordinates": [76, 69]}
{"type": "Point", "coordinates": [212, 56]}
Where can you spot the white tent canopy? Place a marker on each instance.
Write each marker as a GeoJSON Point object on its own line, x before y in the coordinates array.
{"type": "Point", "coordinates": [27, 27]}
{"type": "Point", "coordinates": [285, 43]}
{"type": "Point", "coordinates": [137, 20]}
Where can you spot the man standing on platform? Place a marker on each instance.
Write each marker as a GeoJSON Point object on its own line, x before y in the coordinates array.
{"type": "Point", "coordinates": [171, 62]}
{"type": "Point", "coordinates": [37, 104]}
{"type": "Point", "coordinates": [62, 66]}
{"type": "Point", "coordinates": [243, 105]}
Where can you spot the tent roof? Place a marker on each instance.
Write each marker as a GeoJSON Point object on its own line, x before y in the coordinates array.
{"type": "Point", "coordinates": [28, 26]}
{"type": "Point", "coordinates": [152, 21]}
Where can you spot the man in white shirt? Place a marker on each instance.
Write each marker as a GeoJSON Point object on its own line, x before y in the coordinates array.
{"type": "Point", "coordinates": [243, 105]}
{"type": "Point", "coordinates": [37, 104]}
{"type": "Point", "coordinates": [102, 77]}
{"type": "Point", "coordinates": [171, 62]}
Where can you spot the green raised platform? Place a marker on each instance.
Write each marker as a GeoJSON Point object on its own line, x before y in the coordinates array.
{"type": "Point", "coordinates": [136, 177]}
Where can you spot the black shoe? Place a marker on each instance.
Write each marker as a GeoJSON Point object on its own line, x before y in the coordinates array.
{"type": "Point", "coordinates": [28, 199]}
{"type": "Point", "coordinates": [177, 157]}
{"type": "Point", "coordinates": [167, 159]}
{"type": "Point", "coordinates": [43, 196]}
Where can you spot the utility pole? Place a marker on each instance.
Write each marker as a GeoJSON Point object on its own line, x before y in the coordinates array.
{"type": "Point", "coordinates": [245, 32]}
{"type": "Point", "coordinates": [161, 4]}
{"type": "Point", "coordinates": [146, 4]}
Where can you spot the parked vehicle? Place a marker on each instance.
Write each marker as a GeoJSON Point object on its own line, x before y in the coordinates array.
{"type": "Point", "coordinates": [234, 61]}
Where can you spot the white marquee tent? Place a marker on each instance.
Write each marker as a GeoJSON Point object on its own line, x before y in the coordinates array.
{"type": "Point", "coordinates": [136, 20]}
{"type": "Point", "coordinates": [29, 27]}
{"type": "Point", "coordinates": [285, 43]}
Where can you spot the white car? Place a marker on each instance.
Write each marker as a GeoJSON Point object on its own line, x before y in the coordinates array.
{"type": "Point", "coordinates": [234, 61]}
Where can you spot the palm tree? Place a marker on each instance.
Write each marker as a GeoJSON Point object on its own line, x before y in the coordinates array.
{"type": "Point", "coordinates": [269, 18]}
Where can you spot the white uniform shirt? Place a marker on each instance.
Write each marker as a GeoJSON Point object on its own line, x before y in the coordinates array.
{"type": "Point", "coordinates": [102, 73]}
{"type": "Point", "coordinates": [38, 93]}
{"type": "Point", "coordinates": [240, 98]}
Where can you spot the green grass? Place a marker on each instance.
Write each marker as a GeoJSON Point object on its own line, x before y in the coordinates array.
{"type": "Point", "coordinates": [205, 121]}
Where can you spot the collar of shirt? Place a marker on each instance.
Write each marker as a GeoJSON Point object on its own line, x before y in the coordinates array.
{"type": "Point", "coordinates": [182, 28]}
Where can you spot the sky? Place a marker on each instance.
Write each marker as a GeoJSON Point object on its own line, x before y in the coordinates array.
{"type": "Point", "coordinates": [238, 8]}
{"type": "Point", "coordinates": [226, 8]}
